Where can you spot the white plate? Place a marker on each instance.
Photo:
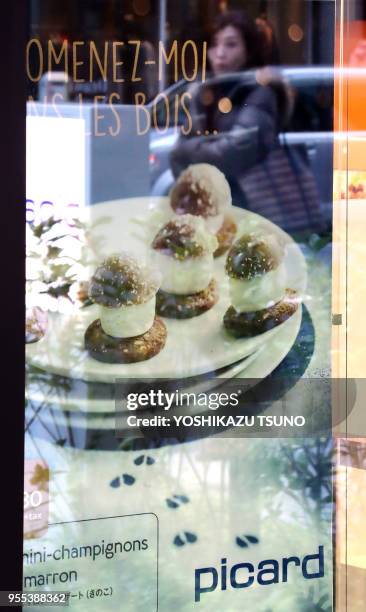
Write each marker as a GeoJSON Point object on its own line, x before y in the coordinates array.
{"type": "Point", "coordinates": [84, 396]}
{"type": "Point", "coordinates": [194, 346]}
{"type": "Point", "coordinates": [100, 414]}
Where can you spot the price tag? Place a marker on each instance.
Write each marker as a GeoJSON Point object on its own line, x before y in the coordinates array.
{"type": "Point", "coordinates": [36, 498]}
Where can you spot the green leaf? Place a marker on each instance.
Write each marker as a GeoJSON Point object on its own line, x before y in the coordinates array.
{"type": "Point", "coordinates": [44, 226]}
{"type": "Point", "coordinates": [57, 238]}
{"type": "Point", "coordinates": [58, 270]}
{"type": "Point", "coordinates": [53, 252]}
{"type": "Point", "coordinates": [59, 291]}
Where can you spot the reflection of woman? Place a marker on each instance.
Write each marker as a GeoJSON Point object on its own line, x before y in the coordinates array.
{"type": "Point", "coordinates": [235, 122]}
{"type": "Point", "coordinates": [236, 118]}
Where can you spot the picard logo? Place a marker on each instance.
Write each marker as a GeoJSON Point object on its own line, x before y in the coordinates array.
{"type": "Point", "coordinates": [244, 575]}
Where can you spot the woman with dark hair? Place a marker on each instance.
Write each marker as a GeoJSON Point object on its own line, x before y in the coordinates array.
{"type": "Point", "coordinates": [236, 43]}
{"type": "Point", "coordinates": [236, 118]}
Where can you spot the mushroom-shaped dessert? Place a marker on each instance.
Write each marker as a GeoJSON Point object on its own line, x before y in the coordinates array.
{"type": "Point", "coordinates": [202, 190]}
{"type": "Point", "coordinates": [257, 281]}
{"type": "Point", "coordinates": [183, 252]}
{"type": "Point", "coordinates": [127, 330]}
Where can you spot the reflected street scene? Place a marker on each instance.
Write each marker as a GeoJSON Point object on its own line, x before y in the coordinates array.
{"type": "Point", "coordinates": [191, 171]}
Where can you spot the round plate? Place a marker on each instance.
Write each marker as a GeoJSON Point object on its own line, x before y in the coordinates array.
{"type": "Point", "coordinates": [81, 397]}
{"type": "Point", "coordinates": [194, 346]}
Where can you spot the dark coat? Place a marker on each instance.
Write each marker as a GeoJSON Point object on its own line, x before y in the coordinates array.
{"type": "Point", "coordinates": [244, 135]}
{"type": "Point", "coordinates": [264, 177]}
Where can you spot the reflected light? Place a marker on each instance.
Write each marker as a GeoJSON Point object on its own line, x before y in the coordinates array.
{"type": "Point", "coordinates": [225, 105]}
{"type": "Point", "coordinates": [141, 7]}
{"type": "Point", "coordinates": [295, 33]}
